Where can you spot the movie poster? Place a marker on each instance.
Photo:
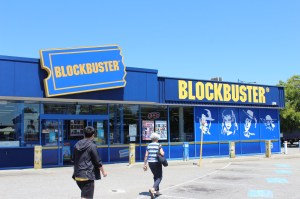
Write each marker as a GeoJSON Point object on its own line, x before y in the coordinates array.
{"type": "Point", "coordinates": [148, 129]}
{"type": "Point", "coordinates": [161, 129]}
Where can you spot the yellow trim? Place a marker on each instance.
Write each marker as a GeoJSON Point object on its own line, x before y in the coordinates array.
{"type": "Point", "coordinates": [81, 179]}
{"type": "Point", "coordinates": [50, 147]}
{"type": "Point", "coordinates": [102, 146]}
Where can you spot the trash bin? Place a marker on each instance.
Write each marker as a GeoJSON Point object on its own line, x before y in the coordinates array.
{"type": "Point", "coordinates": [37, 157]}
{"type": "Point", "coordinates": [185, 151]}
{"type": "Point", "coordinates": [268, 148]}
{"type": "Point", "coordinates": [232, 149]}
{"type": "Point", "coordinates": [131, 153]}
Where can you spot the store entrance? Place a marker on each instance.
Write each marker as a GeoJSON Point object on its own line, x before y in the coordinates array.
{"type": "Point", "coordinates": [58, 136]}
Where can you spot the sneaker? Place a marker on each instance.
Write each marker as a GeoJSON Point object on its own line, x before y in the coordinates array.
{"type": "Point", "coordinates": [152, 193]}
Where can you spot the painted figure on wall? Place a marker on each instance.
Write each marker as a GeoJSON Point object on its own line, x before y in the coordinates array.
{"type": "Point", "coordinates": [248, 121]}
{"type": "Point", "coordinates": [268, 122]}
{"type": "Point", "coordinates": [229, 124]}
{"type": "Point", "coordinates": [205, 122]}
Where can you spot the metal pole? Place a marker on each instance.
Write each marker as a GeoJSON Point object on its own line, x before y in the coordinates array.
{"type": "Point", "coordinates": [201, 143]}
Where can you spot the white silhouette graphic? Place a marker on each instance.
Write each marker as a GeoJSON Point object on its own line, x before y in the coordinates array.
{"type": "Point", "coordinates": [248, 122]}
{"type": "Point", "coordinates": [268, 122]}
{"type": "Point", "coordinates": [205, 122]}
{"type": "Point", "coordinates": [228, 119]}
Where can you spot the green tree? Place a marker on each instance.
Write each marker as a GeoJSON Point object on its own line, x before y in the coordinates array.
{"type": "Point", "coordinates": [290, 115]}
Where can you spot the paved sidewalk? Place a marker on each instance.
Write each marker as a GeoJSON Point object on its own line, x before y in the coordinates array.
{"type": "Point", "coordinates": [123, 181]}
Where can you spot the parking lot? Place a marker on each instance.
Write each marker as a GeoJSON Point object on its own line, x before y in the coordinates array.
{"type": "Point", "coordinates": [240, 177]}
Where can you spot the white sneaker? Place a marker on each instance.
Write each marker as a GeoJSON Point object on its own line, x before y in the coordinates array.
{"type": "Point", "coordinates": [157, 193]}
{"type": "Point", "coordinates": [152, 193]}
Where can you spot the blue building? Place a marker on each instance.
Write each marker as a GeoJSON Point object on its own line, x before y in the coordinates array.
{"type": "Point", "coordinates": [48, 102]}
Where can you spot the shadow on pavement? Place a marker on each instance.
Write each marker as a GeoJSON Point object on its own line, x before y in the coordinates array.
{"type": "Point", "coordinates": [144, 194]}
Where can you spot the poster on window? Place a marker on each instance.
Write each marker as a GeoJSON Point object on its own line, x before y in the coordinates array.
{"type": "Point", "coordinates": [66, 151]}
{"type": "Point", "coordinates": [161, 129]}
{"type": "Point", "coordinates": [132, 132]}
{"type": "Point", "coordinates": [31, 126]}
{"type": "Point", "coordinates": [148, 129]}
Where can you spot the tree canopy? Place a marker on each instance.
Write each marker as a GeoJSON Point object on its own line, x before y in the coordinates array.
{"type": "Point", "coordinates": [290, 115]}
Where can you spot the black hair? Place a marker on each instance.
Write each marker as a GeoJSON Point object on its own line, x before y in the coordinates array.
{"type": "Point", "coordinates": [89, 131]}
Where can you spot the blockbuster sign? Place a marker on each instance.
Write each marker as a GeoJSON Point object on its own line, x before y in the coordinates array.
{"type": "Point", "coordinates": [79, 70]}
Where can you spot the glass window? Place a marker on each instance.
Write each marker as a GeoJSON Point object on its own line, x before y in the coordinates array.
{"type": "Point", "coordinates": [115, 119]}
{"type": "Point", "coordinates": [131, 123]}
{"type": "Point", "coordinates": [154, 119]}
{"type": "Point", "coordinates": [54, 108]}
{"type": "Point", "coordinates": [50, 132]}
{"type": "Point", "coordinates": [182, 124]}
{"type": "Point", "coordinates": [79, 109]}
{"type": "Point", "coordinates": [10, 124]}
{"type": "Point", "coordinates": [31, 125]}
{"type": "Point", "coordinates": [101, 132]}
{"type": "Point", "coordinates": [85, 109]}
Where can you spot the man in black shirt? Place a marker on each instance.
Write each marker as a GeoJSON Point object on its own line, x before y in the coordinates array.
{"type": "Point", "coordinates": [87, 164]}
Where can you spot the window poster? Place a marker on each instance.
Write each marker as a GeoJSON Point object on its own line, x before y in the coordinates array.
{"type": "Point", "coordinates": [66, 151]}
{"type": "Point", "coordinates": [132, 132]}
{"type": "Point", "coordinates": [31, 126]}
{"type": "Point", "coordinates": [148, 129]}
{"type": "Point", "coordinates": [161, 129]}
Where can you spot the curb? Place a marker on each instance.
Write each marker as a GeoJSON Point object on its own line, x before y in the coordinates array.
{"type": "Point", "coordinates": [221, 160]}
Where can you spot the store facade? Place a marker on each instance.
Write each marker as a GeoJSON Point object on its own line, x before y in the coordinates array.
{"type": "Point", "coordinates": [49, 101]}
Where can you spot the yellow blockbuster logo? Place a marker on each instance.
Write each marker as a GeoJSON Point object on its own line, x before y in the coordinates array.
{"type": "Point", "coordinates": [221, 92]}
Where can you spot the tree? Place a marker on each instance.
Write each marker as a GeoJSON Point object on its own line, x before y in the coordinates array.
{"type": "Point", "coordinates": [290, 115]}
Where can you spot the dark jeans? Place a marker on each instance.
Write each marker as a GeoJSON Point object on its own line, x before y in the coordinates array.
{"type": "Point", "coordinates": [156, 169]}
{"type": "Point", "coordinates": [87, 188]}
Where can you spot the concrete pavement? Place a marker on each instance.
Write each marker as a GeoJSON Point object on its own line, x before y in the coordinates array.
{"type": "Point", "coordinates": [123, 181]}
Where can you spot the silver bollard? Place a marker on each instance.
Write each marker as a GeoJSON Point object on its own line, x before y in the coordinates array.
{"type": "Point", "coordinates": [285, 147]}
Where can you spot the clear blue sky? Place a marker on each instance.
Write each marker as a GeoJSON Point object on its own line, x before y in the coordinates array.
{"type": "Point", "coordinates": [251, 40]}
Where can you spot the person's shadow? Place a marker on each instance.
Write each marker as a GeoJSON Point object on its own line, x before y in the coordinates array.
{"type": "Point", "coordinates": [147, 194]}
{"type": "Point", "coordinates": [144, 193]}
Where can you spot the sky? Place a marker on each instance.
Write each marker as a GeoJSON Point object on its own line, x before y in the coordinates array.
{"type": "Point", "coordinates": [238, 40]}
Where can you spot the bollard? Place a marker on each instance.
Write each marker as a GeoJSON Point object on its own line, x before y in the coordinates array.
{"type": "Point", "coordinates": [232, 149]}
{"type": "Point", "coordinates": [285, 147]}
{"type": "Point", "coordinates": [185, 151]}
{"type": "Point", "coordinates": [268, 148]}
{"type": "Point", "coordinates": [37, 157]}
{"type": "Point", "coordinates": [131, 153]}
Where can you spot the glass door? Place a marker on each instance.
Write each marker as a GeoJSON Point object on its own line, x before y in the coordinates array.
{"type": "Point", "coordinates": [100, 127]}
{"type": "Point", "coordinates": [59, 134]}
{"type": "Point", "coordinates": [52, 140]}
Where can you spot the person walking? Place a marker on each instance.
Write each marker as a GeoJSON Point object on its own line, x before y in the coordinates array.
{"type": "Point", "coordinates": [156, 168]}
{"type": "Point", "coordinates": [87, 164]}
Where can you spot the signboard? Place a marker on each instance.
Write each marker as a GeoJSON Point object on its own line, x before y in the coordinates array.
{"type": "Point", "coordinates": [198, 91]}
{"type": "Point", "coordinates": [79, 70]}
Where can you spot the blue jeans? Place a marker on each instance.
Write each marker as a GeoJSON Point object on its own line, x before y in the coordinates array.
{"type": "Point", "coordinates": [156, 169]}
